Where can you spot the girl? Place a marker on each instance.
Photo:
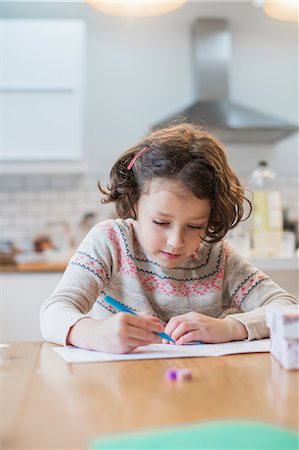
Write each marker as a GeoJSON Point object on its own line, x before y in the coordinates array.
{"type": "Point", "coordinates": [165, 257]}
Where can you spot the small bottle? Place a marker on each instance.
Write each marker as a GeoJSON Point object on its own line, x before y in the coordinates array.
{"type": "Point", "coordinates": [267, 225]}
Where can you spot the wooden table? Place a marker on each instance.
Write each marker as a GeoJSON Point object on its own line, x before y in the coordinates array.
{"type": "Point", "coordinates": [48, 404]}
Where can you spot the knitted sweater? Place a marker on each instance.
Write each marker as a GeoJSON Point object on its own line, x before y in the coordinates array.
{"type": "Point", "coordinates": [217, 281]}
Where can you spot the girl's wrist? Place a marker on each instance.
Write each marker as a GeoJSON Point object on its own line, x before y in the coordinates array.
{"type": "Point", "coordinates": [79, 334]}
{"type": "Point", "coordinates": [237, 331]}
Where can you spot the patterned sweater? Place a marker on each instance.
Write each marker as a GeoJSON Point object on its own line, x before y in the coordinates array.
{"type": "Point", "coordinates": [217, 281]}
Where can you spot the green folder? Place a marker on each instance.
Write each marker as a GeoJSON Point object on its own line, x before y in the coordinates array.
{"type": "Point", "coordinates": [237, 435]}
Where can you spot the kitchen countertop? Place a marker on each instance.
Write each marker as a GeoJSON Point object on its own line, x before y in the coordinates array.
{"type": "Point", "coordinates": [265, 264]}
{"type": "Point", "coordinates": [34, 267]}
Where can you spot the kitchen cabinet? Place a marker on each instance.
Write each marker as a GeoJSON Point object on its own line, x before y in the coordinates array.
{"type": "Point", "coordinates": [42, 90]}
{"type": "Point", "coordinates": [22, 295]}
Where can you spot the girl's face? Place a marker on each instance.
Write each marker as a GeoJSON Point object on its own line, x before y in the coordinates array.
{"type": "Point", "coordinates": [171, 222]}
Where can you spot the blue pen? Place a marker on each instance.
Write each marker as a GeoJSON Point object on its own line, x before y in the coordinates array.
{"type": "Point", "coordinates": [117, 305]}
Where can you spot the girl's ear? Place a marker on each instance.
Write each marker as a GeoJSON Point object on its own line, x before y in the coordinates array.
{"type": "Point", "coordinates": [132, 208]}
{"type": "Point", "coordinates": [134, 211]}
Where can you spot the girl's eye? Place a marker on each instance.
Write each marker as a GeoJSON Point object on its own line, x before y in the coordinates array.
{"type": "Point", "coordinates": [197, 227]}
{"type": "Point", "coordinates": [160, 223]}
{"type": "Point", "coordinates": [193, 227]}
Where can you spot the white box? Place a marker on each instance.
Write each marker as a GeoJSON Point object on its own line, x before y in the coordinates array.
{"type": "Point", "coordinates": [284, 330]}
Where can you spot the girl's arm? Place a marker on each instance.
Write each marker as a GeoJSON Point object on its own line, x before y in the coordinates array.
{"type": "Point", "coordinates": [247, 293]}
{"type": "Point", "coordinates": [88, 271]}
{"type": "Point", "coordinates": [65, 314]}
{"type": "Point", "coordinates": [120, 333]}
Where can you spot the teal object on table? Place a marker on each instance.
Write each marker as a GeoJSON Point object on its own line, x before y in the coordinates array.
{"type": "Point", "coordinates": [228, 435]}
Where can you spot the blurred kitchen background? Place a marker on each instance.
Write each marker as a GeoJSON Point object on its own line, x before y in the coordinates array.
{"type": "Point", "coordinates": [79, 86]}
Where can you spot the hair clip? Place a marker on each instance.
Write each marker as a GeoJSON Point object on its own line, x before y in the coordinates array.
{"type": "Point", "coordinates": [131, 163]}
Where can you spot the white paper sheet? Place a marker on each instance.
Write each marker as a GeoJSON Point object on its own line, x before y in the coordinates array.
{"type": "Point", "coordinates": [156, 351]}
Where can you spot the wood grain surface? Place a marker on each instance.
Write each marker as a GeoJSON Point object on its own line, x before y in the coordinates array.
{"type": "Point", "coordinates": [48, 404]}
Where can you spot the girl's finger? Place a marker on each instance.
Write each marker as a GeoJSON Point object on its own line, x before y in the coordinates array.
{"type": "Point", "coordinates": [194, 335]}
{"type": "Point", "coordinates": [149, 316]}
{"type": "Point", "coordinates": [182, 329]}
{"type": "Point", "coordinates": [173, 324]}
{"type": "Point", "coordinates": [143, 335]}
{"type": "Point", "coordinates": [145, 323]}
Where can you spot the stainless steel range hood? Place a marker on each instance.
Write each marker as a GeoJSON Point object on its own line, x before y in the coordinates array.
{"type": "Point", "coordinates": [229, 121]}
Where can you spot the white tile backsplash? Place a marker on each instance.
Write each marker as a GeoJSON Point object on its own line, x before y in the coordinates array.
{"type": "Point", "coordinates": [30, 203]}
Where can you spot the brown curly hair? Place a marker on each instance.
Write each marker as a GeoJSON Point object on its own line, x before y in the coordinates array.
{"type": "Point", "coordinates": [191, 156]}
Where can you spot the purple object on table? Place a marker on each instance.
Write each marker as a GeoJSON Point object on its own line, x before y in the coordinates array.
{"type": "Point", "coordinates": [178, 374]}
{"type": "Point", "coordinates": [171, 374]}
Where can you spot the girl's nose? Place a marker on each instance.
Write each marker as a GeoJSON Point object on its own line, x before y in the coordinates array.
{"type": "Point", "coordinates": [176, 239]}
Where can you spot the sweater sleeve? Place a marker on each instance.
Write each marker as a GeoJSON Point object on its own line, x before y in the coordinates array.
{"type": "Point", "coordinates": [88, 271]}
{"type": "Point", "coordinates": [249, 293]}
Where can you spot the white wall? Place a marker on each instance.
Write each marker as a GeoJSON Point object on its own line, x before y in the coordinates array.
{"type": "Point", "coordinates": [137, 75]}
{"type": "Point", "coordinates": [264, 76]}
{"type": "Point", "coordinates": [140, 71]}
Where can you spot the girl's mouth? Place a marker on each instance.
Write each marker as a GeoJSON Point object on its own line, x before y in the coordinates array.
{"type": "Point", "coordinates": [170, 255]}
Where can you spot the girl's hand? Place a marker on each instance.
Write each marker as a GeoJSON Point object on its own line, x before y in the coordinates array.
{"type": "Point", "coordinates": [199, 327]}
{"type": "Point", "coordinates": [120, 333]}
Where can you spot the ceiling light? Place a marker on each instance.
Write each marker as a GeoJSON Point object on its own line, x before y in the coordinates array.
{"type": "Point", "coordinates": [287, 10]}
{"type": "Point", "coordinates": [136, 8]}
